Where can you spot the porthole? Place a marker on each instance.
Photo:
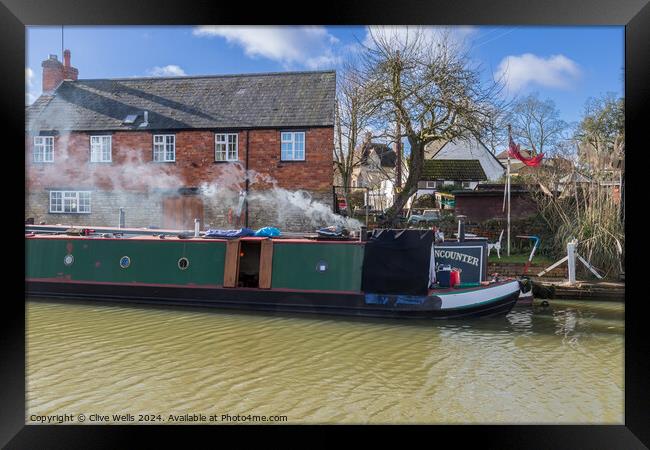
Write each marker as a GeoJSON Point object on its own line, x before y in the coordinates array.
{"type": "Point", "coordinates": [321, 266]}
{"type": "Point", "coordinates": [125, 262]}
{"type": "Point", "coordinates": [68, 260]}
{"type": "Point", "coordinates": [183, 263]}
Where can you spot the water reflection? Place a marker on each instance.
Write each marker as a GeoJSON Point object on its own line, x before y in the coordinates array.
{"type": "Point", "coordinates": [557, 364]}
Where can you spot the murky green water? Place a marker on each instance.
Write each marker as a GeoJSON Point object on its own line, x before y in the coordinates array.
{"type": "Point", "coordinates": [560, 364]}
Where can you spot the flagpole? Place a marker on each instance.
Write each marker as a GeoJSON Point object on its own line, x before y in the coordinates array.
{"type": "Point", "coordinates": [508, 186]}
{"type": "Point", "coordinates": [508, 205]}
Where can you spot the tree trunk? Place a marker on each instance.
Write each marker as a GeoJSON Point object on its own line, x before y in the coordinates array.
{"type": "Point", "coordinates": [410, 185]}
{"type": "Point", "coordinates": [346, 195]}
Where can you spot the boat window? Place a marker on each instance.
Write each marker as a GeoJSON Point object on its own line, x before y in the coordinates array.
{"type": "Point", "coordinates": [183, 263]}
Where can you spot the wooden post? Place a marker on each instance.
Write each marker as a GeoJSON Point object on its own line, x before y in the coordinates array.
{"type": "Point", "coordinates": [571, 254]}
{"type": "Point", "coordinates": [366, 204]}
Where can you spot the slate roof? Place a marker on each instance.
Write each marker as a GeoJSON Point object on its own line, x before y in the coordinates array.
{"type": "Point", "coordinates": [284, 99]}
{"type": "Point", "coordinates": [387, 155]}
{"type": "Point", "coordinates": [453, 170]}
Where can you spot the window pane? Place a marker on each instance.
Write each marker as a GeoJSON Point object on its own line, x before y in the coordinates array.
{"type": "Point", "coordinates": [287, 150]}
{"type": "Point", "coordinates": [220, 152]}
{"type": "Point", "coordinates": [56, 204]}
{"type": "Point", "coordinates": [232, 147]}
{"type": "Point", "coordinates": [299, 137]}
{"type": "Point", "coordinates": [100, 148]}
{"type": "Point", "coordinates": [70, 202]}
{"type": "Point", "coordinates": [84, 201]}
{"type": "Point", "coordinates": [106, 147]}
{"type": "Point", "coordinates": [49, 150]}
{"type": "Point", "coordinates": [38, 150]}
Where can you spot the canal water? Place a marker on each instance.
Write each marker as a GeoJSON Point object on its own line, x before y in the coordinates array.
{"type": "Point", "coordinates": [558, 364]}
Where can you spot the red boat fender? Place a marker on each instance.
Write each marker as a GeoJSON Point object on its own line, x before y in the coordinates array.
{"type": "Point", "coordinates": [454, 278]}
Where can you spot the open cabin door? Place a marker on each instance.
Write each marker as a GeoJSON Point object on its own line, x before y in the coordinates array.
{"type": "Point", "coordinates": [248, 263]}
{"type": "Point", "coordinates": [231, 266]}
{"type": "Point", "coordinates": [266, 264]}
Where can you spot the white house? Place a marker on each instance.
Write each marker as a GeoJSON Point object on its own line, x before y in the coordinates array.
{"type": "Point", "coordinates": [376, 171]}
{"type": "Point", "coordinates": [467, 149]}
{"type": "Point", "coordinates": [463, 162]}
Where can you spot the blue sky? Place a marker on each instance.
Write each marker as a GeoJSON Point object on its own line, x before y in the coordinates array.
{"type": "Point", "coordinates": [565, 64]}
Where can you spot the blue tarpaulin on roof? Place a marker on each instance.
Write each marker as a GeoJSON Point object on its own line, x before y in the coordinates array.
{"type": "Point", "coordinates": [242, 232]}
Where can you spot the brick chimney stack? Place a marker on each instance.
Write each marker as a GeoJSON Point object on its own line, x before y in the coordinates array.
{"type": "Point", "coordinates": [69, 72]}
{"type": "Point", "coordinates": [54, 72]}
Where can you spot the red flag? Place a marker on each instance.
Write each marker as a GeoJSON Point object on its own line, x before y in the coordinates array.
{"type": "Point", "coordinates": [514, 151]}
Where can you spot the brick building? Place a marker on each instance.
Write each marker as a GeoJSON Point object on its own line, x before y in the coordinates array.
{"type": "Point", "coordinates": [169, 150]}
{"type": "Point", "coordinates": [486, 203]}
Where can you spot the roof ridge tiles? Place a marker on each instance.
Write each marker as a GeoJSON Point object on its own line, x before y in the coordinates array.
{"type": "Point", "coordinates": [183, 77]}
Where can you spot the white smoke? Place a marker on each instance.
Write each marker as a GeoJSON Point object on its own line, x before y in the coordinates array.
{"type": "Point", "coordinates": [131, 171]}
{"type": "Point", "coordinates": [285, 205]}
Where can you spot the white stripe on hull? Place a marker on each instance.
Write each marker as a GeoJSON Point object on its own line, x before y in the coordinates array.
{"type": "Point", "coordinates": [475, 297]}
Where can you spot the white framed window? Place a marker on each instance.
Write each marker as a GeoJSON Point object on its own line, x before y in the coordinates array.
{"type": "Point", "coordinates": [72, 202]}
{"type": "Point", "coordinates": [466, 184]}
{"type": "Point", "coordinates": [432, 184]}
{"type": "Point", "coordinates": [226, 147]}
{"type": "Point", "coordinates": [164, 148]}
{"type": "Point", "coordinates": [43, 149]}
{"type": "Point", "coordinates": [293, 146]}
{"type": "Point", "coordinates": [100, 149]}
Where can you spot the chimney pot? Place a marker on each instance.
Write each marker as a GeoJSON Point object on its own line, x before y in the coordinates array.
{"type": "Point", "coordinates": [54, 72]}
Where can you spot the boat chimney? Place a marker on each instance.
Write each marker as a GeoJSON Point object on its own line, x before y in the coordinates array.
{"type": "Point", "coordinates": [461, 228]}
{"type": "Point", "coordinates": [197, 224]}
{"type": "Point", "coordinates": [122, 221]}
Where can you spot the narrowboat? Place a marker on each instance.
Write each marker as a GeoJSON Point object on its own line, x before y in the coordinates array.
{"type": "Point", "coordinates": [383, 273]}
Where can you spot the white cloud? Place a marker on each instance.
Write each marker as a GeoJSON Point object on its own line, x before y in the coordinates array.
{"type": "Point", "coordinates": [556, 71]}
{"type": "Point", "coordinates": [309, 46]}
{"type": "Point", "coordinates": [430, 34]}
{"type": "Point", "coordinates": [30, 94]}
{"type": "Point", "coordinates": [171, 70]}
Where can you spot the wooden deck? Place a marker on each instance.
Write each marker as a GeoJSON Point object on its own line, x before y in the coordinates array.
{"type": "Point", "coordinates": [582, 290]}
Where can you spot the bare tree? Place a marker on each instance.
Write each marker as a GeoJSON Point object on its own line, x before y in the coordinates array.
{"type": "Point", "coordinates": [601, 133]}
{"type": "Point", "coordinates": [495, 133]}
{"type": "Point", "coordinates": [587, 207]}
{"type": "Point", "coordinates": [536, 124]}
{"type": "Point", "coordinates": [424, 81]}
{"type": "Point", "coordinates": [352, 116]}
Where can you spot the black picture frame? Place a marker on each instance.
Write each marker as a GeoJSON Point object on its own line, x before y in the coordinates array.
{"type": "Point", "coordinates": [633, 14]}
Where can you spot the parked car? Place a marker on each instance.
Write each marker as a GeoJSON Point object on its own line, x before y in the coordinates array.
{"type": "Point", "coordinates": [428, 216]}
